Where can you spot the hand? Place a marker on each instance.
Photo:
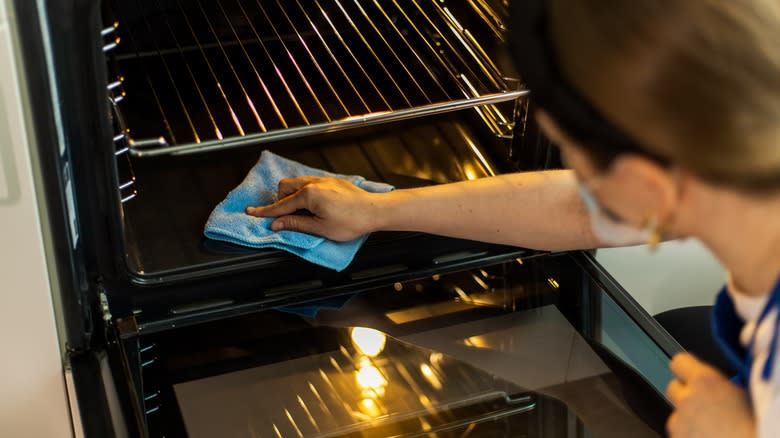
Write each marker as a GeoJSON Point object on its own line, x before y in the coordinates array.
{"type": "Point", "coordinates": [339, 210]}
{"type": "Point", "coordinates": [706, 403]}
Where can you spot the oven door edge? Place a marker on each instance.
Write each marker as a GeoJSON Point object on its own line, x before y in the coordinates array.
{"type": "Point", "coordinates": [626, 302]}
{"type": "Point", "coordinates": [60, 57]}
{"type": "Point", "coordinates": [103, 401]}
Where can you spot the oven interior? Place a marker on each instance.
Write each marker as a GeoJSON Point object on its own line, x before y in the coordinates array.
{"type": "Point", "coordinates": [408, 92]}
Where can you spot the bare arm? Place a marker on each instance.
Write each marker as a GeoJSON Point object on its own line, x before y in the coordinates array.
{"type": "Point", "coordinates": [539, 210]}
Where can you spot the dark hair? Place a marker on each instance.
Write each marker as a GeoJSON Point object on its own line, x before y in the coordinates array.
{"type": "Point", "coordinates": [694, 83]}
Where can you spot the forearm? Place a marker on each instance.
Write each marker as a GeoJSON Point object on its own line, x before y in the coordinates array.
{"type": "Point", "coordinates": [539, 210]}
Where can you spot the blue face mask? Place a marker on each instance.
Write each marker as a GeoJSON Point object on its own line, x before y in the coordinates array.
{"type": "Point", "coordinates": [607, 230]}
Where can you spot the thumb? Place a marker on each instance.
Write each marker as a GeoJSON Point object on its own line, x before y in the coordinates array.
{"type": "Point", "coordinates": [303, 224]}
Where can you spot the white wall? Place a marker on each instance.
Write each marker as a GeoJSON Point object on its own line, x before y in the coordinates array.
{"type": "Point", "coordinates": [678, 274]}
{"type": "Point", "coordinates": [33, 401]}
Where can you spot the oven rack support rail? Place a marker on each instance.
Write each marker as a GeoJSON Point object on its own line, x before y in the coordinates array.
{"type": "Point", "coordinates": [159, 146]}
{"type": "Point", "coordinates": [121, 140]}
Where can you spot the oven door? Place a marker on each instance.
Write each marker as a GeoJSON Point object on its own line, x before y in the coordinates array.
{"type": "Point", "coordinates": [547, 345]}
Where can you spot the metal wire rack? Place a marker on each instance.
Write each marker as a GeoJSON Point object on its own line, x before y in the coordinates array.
{"type": "Point", "coordinates": [126, 174]}
{"type": "Point", "coordinates": [202, 76]}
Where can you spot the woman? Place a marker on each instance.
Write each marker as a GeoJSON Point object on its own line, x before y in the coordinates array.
{"type": "Point", "coordinates": [668, 112]}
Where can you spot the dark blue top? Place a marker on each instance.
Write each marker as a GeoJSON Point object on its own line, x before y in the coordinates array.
{"type": "Point", "coordinates": [727, 326]}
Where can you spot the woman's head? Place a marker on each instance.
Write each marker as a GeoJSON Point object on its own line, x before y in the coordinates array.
{"type": "Point", "coordinates": [646, 97]}
{"type": "Point", "coordinates": [696, 83]}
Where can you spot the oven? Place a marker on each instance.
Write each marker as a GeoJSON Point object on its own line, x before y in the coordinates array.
{"type": "Point", "coordinates": [148, 112]}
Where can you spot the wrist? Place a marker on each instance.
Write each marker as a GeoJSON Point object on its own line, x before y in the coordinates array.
{"type": "Point", "coordinates": [382, 209]}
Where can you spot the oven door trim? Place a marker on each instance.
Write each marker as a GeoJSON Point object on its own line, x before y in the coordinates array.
{"type": "Point", "coordinates": [628, 304]}
{"type": "Point", "coordinates": [56, 165]}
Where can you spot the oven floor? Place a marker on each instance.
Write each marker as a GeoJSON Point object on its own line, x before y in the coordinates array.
{"type": "Point", "coordinates": [164, 223]}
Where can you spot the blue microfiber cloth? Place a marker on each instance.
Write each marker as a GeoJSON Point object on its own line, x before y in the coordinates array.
{"type": "Point", "coordinates": [312, 309]}
{"type": "Point", "coordinates": [230, 223]}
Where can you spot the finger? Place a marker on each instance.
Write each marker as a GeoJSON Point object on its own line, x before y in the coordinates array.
{"type": "Point", "coordinates": [684, 366]}
{"type": "Point", "coordinates": [303, 224]}
{"type": "Point", "coordinates": [675, 391]}
{"type": "Point", "coordinates": [288, 186]}
{"type": "Point", "coordinates": [672, 425]}
{"type": "Point", "coordinates": [282, 207]}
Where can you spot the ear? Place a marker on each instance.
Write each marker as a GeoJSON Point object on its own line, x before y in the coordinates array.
{"type": "Point", "coordinates": [657, 188]}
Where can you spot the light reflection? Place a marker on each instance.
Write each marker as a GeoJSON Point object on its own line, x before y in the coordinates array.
{"type": "Point", "coordinates": [373, 385]}
{"type": "Point", "coordinates": [472, 144]}
{"type": "Point", "coordinates": [317, 395]}
{"type": "Point", "coordinates": [479, 281]}
{"type": "Point", "coordinates": [369, 377]}
{"type": "Point", "coordinates": [476, 342]}
{"type": "Point", "coordinates": [370, 407]}
{"type": "Point", "coordinates": [431, 376]}
{"type": "Point", "coordinates": [294, 425]}
{"type": "Point", "coordinates": [553, 283]}
{"type": "Point", "coordinates": [425, 401]}
{"type": "Point", "coordinates": [366, 116]}
{"type": "Point", "coordinates": [462, 294]}
{"type": "Point", "coordinates": [368, 341]}
{"type": "Point", "coordinates": [471, 174]}
{"type": "Point", "coordinates": [327, 381]}
{"type": "Point", "coordinates": [308, 414]}
{"type": "Point", "coordinates": [336, 365]}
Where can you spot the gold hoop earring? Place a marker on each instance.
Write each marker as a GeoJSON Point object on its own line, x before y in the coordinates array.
{"type": "Point", "coordinates": [657, 229]}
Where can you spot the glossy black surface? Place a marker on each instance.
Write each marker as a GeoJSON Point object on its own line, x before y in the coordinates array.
{"type": "Point", "coordinates": [551, 327]}
{"type": "Point", "coordinates": [164, 223]}
{"type": "Point", "coordinates": [361, 383]}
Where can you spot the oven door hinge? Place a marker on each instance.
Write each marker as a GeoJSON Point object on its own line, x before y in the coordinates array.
{"type": "Point", "coordinates": [105, 310]}
{"type": "Point", "coordinates": [126, 327]}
